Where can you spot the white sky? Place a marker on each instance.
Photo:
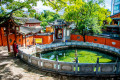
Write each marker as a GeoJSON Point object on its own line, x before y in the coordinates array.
{"type": "Point", "coordinates": [40, 7]}
{"type": "Point", "coordinates": [108, 4]}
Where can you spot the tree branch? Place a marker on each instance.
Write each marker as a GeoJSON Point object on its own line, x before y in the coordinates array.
{"type": "Point", "coordinates": [55, 4]}
{"type": "Point", "coordinates": [13, 11]}
{"type": "Point", "coordinates": [52, 3]}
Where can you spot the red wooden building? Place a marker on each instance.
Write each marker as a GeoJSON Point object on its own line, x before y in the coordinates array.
{"type": "Point", "coordinates": [17, 29]}
{"type": "Point", "coordinates": [114, 27]}
{"type": "Point", "coordinates": [29, 22]}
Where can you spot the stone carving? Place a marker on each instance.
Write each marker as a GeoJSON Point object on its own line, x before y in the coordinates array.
{"type": "Point", "coordinates": [48, 65]}
{"type": "Point", "coordinates": [107, 68]}
{"type": "Point", "coordinates": [25, 57]}
{"type": "Point", "coordinates": [86, 68]}
{"type": "Point", "coordinates": [106, 47]}
{"type": "Point", "coordinates": [35, 62]}
{"type": "Point", "coordinates": [66, 67]}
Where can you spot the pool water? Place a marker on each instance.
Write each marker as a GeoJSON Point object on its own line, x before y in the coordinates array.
{"type": "Point", "coordinates": [84, 56]}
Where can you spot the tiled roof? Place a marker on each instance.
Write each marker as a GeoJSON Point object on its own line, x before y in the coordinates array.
{"type": "Point", "coordinates": [32, 20]}
{"type": "Point", "coordinates": [27, 30]}
{"type": "Point", "coordinates": [27, 20]}
{"type": "Point", "coordinates": [58, 22]}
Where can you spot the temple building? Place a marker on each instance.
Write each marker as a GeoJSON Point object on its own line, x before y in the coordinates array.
{"type": "Point", "coordinates": [29, 22]}
{"type": "Point", "coordinates": [17, 29]}
{"type": "Point", "coordinates": [114, 27]}
{"type": "Point", "coordinates": [61, 30]}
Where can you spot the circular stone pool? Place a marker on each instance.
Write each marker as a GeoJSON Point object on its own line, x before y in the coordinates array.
{"type": "Point", "coordinates": [84, 56]}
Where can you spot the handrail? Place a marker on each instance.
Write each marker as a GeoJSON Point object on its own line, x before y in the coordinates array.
{"type": "Point", "coordinates": [73, 68]}
{"type": "Point", "coordinates": [79, 43]}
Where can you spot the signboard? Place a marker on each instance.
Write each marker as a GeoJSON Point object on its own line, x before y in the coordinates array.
{"type": "Point", "coordinates": [38, 40]}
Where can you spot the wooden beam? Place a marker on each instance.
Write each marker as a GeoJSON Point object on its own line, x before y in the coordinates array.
{"type": "Point", "coordinates": [25, 40]}
{"type": "Point", "coordinates": [22, 40]}
{"type": "Point", "coordinates": [15, 35]}
{"type": "Point", "coordinates": [8, 42]}
{"type": "Point", "coordinates": [1, 35]}
{"type": "Point", "coordinates": [33, 39]}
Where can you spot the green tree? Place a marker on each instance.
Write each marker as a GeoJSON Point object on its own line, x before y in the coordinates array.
{"type": "Point", "coordinates": [46, 17]}
{"type": "Point", "coordinates": [14, 5]}
{"type": "Point", "coordinates": [87, 15]}
{"type": "Point", "coordinates": [2, 12]}
{"type": "Point", "coordinates": [44, 24]}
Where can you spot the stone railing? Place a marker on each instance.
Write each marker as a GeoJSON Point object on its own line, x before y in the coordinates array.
{"type": "Point", "coordinates": [77, 43]}
{"type": "Point", "coordinates": [74, 68]}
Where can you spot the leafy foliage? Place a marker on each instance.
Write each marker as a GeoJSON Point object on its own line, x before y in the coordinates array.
{"type": "Point", "coordinates": [87, 15]}
{"type": "Point", "coordinates": [18, 5]}
{"type": "Point", "coordinates": [46, 17]}
{"type": "Point", "coordinates": [2, 12]}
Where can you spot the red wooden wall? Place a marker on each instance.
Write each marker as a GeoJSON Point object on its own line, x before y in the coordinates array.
{"type": "Point", "coordinates": [100, 40]}
{"type": "Point", "coordinates": [94, 39]}
{"type": "Point", "coordinates": [12, 38]}
{"type": "Point", "coordinates": [76, 37]}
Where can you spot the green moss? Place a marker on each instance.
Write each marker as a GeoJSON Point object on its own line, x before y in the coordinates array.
{"type": "Point", "coordinates": [84, 56]}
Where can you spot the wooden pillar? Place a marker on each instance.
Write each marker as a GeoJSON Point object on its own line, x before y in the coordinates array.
{"type": "Point", "coordinates": [25, 40]}
{"type": "Point", "coordinates": [1, 36]}
{"type": "Point", "coordinates": [22, 40]}
{"type": "Point", "coordinates": [33, 39]}
{"type": "Point", "coordinates": [8, 42]}
{"type": "Point", "coordinates": [15, 34]}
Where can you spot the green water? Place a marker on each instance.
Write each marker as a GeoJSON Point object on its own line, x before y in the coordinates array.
{"type": "Point", "coordinates": [84, 56]}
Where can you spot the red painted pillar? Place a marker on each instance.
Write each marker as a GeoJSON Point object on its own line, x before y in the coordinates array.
{"type": "Point", "coordinates": [1, 36]}
{"type": "Point", "coordinates": [22, 40]}
{"type": "Point", "coordinates": [33, 39]}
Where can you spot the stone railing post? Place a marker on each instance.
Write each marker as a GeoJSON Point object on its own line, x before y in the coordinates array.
{"type": "Point", "coordinates": [97, 65]}
{"type": "Point", "coordinates": [119, 52]}
{"type": "Point", "coordinates": [29, 58]}
{"type": "Point", "coordinates": [76, 66]}
{"type": "Point", "coordinates": [56, 63]}
{"type": "Point", "coordinates": [40, 61]}
{"type": "Point", "coordinates": [65, 43]}
{"type": "Point", "coordinates": [117, 66]}
{"type": "Point", "coordinates": [40, 55]}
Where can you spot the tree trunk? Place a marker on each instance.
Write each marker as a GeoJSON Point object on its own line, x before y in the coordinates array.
{"type": "Point", "coordinates": [84, 38]}
{"type": "Point", "coordinates": [83, 34]}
